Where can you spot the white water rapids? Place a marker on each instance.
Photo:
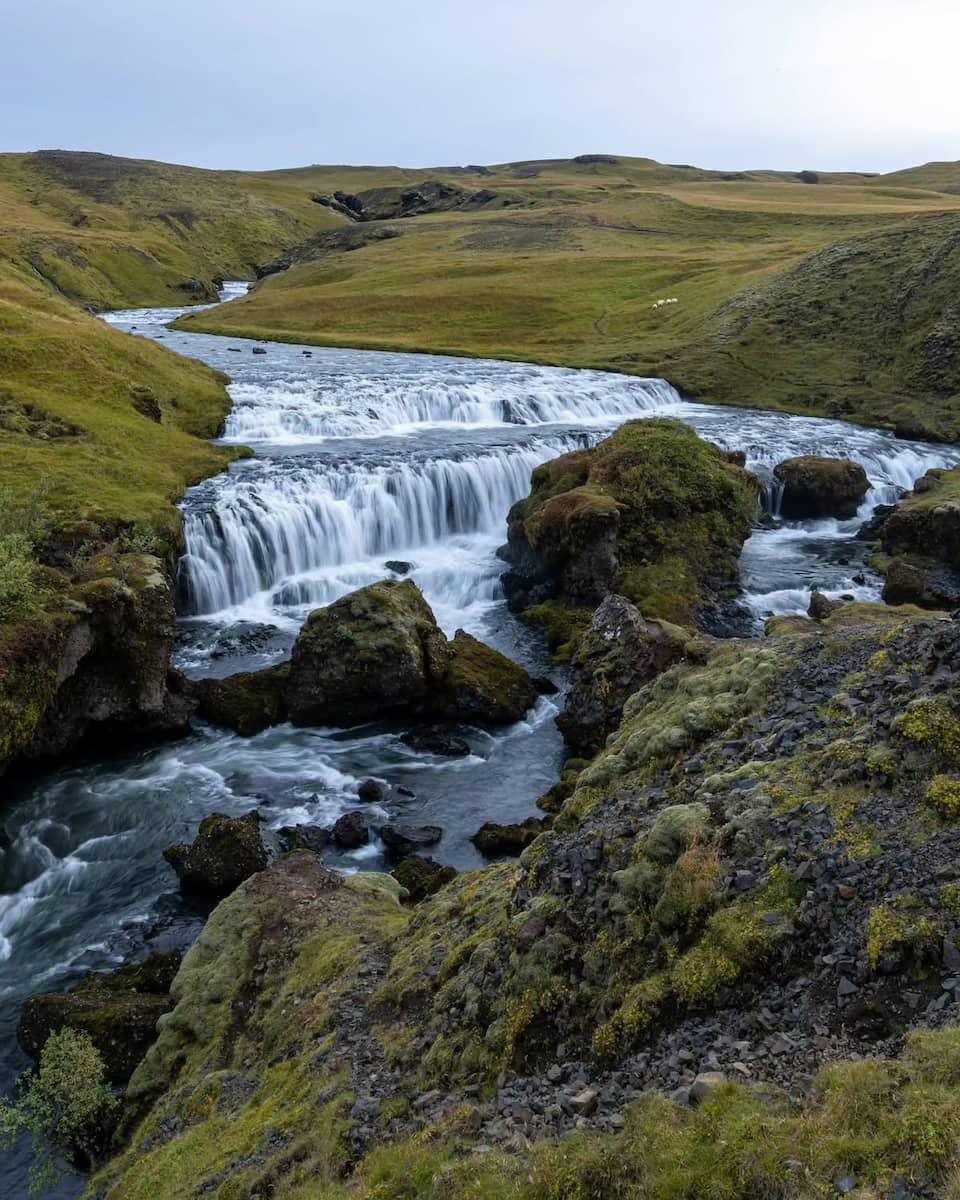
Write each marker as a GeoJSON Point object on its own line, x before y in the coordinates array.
{"type": "Point", "coordinates": [362, 460]}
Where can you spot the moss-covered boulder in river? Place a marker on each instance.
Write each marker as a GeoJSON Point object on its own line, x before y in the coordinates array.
{"type": "Point", "coordinates": [377, 652]}
{"type": "Point", "coordinates": [653, 513]}
{"type": "Point", "coordinates": [820, 487]}
{"type": "Point", "coordinates": [225, 852]}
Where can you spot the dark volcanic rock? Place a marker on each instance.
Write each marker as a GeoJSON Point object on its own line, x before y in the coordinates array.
{"type": "Point", "coordinates": [821, 487]}
{"type": "Point", "coordinates": [375, 791]}
{"type": "Point", "coordinates": [402, 840]}
{"type": "Point", "coordinates": [246, 702]}
{"type": "Point", "coordinates": [225, 852]}
{"type": "Point", "coordinates": [617, 653]}
{"type": "Point", "coordinates": [118, 1010]}
{"type": "Point", "coordinates": [436, 739]}
{"type": "Point", "coordinates": [350, 831]}
{"type": "Point", "coordinates": [493, 840]}
{"type": "Point", "coordinates": [304, 837]}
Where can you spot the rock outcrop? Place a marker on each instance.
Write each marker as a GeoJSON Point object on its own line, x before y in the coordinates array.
{"type": "Point", "coordinates": [225, 852]}
{"type": "Point", "coordinates": [820, 487]}
{"type": "Point", "coordinates": [920, 537]}
{"type": "Point", "coordinates": [618, 653]}
{"type": "Point", "coordinates": [377, 652]}
{"type": "Point", "coordinates": [99, 672]}
{"type": "Point", "coordinates": [653, 513]}
{"type": "Point", "coordinates": [118, 1010]}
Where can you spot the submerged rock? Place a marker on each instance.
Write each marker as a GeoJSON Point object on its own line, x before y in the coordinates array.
{"type": "Point", "coordinates": [118, 1010]}
{"type": "Point", "coordinates": [225, 852]}
{"type": "Point", "coordinates": [437, 739]}
{"type": "Point", "coordinates": [653, 513]}
{"type": "Point", "coordinates": [821, 487]}
{"type": "Point", "coordinates": [618, 652]}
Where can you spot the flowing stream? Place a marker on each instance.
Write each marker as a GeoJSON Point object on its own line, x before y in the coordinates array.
{"type": "Point", "coordinates": [367, 465]}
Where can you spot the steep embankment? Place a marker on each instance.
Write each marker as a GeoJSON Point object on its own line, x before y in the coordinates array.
{"type": "Point", "coordinates": [757, 877]}
{"type": "Point", "coordinates": [109, 232]}
{"type": "Point", "coordinates": [787, 291]}
{"type": "Point", "coordinates": [99, 435]}
{"type": "Point", "coordinates": [100, 432]}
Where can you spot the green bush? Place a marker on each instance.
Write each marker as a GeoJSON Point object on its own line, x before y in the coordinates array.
{"type": "Point", "coordinates": [65, 1106]}
{"type": "Point", "coordinates": [17, 576]}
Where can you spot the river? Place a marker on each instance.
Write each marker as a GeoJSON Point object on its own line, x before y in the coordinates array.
{"type": "Point", "coordinates": [361, 459]}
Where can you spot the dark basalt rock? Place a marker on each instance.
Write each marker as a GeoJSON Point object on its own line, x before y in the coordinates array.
{"type": "Point", "coordinates": [483, 685]}
{"type": "Point", "coordinates": [225, 852]}
{"type": "Point", "coordinates": [375, 791]}
{"type": "Point", "coordinates": [493, 840]}
{"type": "Point", "coordinates": [246, 702]}
{"type": "Point", "coordinates": [304, 837]}
{"type": "Point", "coordinates": [402, 840]}
{"type": "Point", "coordinates": [617, 653]}
{"type": "Point", "coordinates": [397, 567]}
{"type": "Point", "coordinates": [436, 739]}
{"type": "Point", "coordinates": [118, 1010]}
{"type": "Point", "coordinates": [923, 582]}
{"type": "Point", "coordinates": [821, 487]}
{"type": "Point", "coordinates": [422, 876]}
{"type": "Point", "coordinates": [350, 831]}
{"type": "Point", "coordinates": [821, 606]}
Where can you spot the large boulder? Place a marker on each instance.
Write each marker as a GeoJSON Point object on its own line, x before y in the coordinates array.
{"type": "Point", "coordinates": [421, 876]}
{"type": "Point", "coordinates": [482, 685]}
{"type": "Point", "coordinates": [618, 652]}
{"type": "Point", "coordinates": [820, 487]}
{"type": "Point", "coordinates": [402, 840]}
{"type": "Point", "coordinates": [653, 513]}
{"type": "Point", "coordinates": [493, 840]}
{"type": "Point", "coordinates": [376, 653]}
{"type": "Point", "coordinates": [225, 852]}
{"type": "Point", "coordinates": [246, 702]}
{"type": "Point", "coordinates": [372, 652]}
{"type": "Point", "coordinates": [118, 1010]}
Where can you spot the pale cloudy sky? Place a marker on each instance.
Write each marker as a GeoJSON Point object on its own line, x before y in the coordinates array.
{"type": "Point", "coordinates": [829, 84]}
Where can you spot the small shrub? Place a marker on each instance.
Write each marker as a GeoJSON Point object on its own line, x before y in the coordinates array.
{"type": "Point", "coordinates": [943, 793]}
{"type": "Point", "coordinates": [65, 1106]}
{"type": "Point", "coordinates": [18, 590]}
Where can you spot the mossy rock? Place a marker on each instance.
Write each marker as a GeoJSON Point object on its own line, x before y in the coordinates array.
{"type": "Point", "coordinates": [421, 876]}
{"type": "Point", "coordinates": [118, 1010]}
{"type": "Point", "coordinates": [618, 653]}
{"type": "Point", "coordinates": [376, 650]}
{"type": "Point", "coordinates": [225, 852]}
{"type": "Point", "coordinates": [247, 702]}
{"type": "Point", "coordinates": [483, 685]}
{"type": "Point", "coordinates": [820, 487]}
{"type": "Point", "coordinates": [653, 512]}
{"type": "Point", "coordinates": [493, 840]}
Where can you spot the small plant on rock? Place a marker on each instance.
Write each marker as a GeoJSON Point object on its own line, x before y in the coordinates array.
{"type": "Point", "coordinates": [65, 1106]}
{"type": "Point", "coordinates": [943, 792]}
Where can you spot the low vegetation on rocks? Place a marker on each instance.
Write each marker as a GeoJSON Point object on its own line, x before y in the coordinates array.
{"type": "Point", "coordinates": [653, 513]}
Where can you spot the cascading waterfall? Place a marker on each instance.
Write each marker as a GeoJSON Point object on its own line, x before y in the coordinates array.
{"type": "Point", "coordinates": [392, 396]}
{"type": "Point", "coordinates": [273, 521]}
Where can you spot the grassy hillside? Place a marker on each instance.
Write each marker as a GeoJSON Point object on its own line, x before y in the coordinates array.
{"type": "Point", "coordinates": [107, 231]}
{"type": "Point", "coordinates": [565, 260]}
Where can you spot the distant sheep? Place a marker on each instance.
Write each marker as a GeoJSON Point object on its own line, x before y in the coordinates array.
{"type": "Point", "coordinates": [661, 303]}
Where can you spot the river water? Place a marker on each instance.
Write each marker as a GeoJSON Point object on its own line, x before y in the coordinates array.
{"type": "Point", "coordinates": [363, 459]}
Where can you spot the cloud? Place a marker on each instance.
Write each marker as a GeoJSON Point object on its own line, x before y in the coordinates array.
{"type": "Point", "coordinates": [829, 85]}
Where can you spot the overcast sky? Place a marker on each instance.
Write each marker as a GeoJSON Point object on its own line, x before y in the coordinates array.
{"type": "Point", "coordinates": [829, 84]}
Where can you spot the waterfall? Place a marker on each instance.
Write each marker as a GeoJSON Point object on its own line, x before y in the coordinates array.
{"type": "Point", "coordinates": [372, 400]}
{"type": "Point", "coordinates": [271, 522]}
